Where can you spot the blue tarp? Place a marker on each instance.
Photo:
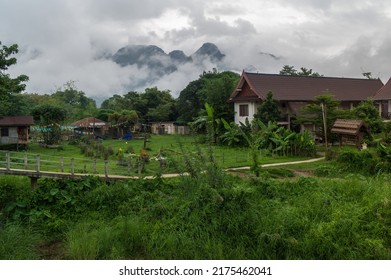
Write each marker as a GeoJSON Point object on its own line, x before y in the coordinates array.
{"type": "Point", "coordinates": [127, 136]}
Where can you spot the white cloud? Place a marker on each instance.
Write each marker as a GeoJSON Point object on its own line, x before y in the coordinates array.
{"type": "Point", "coordinates": [61, 40]}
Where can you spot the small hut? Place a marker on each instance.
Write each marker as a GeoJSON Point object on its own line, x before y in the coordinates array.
{"type": "Point", "coordinates": [350, 131]}
{"type": "Point", "coordinates": [15, 130]}
{"type": "Point", "coordinates": [90, 126]}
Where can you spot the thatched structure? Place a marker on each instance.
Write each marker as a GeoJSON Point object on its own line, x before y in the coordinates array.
{"type": "Point", "coordinates": [350, 131]}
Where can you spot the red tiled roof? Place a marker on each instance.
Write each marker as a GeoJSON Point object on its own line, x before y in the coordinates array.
{"type": "Point", "coordinates": [16, 121]}
{"type": "Point", "coordinates": [385, 92]}
{"type": "Point", "coordinates": [299, 88]}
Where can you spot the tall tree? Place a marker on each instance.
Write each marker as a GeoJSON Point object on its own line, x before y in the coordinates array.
{"type": "Point", "coordinates": [324, 105]}
{"type": "Point", "coordinates": [151, 105]}
{"type": "Point", "coordinates": [49, 118]}
{"type": "Point", "coordinates": [368, 112]}
{"type": "Point", "coordinates": [9, 87]}
{"type": "Point", "coordinates": [291, 71]}
{"type": "Point", "coordinates": [269, 109]}
{"type": "Point", "coordinates": [213, 88]}
{"type": "Point", "coordinates": [123, 120]}
{"type": "Point", "coordinates": [74, 101]}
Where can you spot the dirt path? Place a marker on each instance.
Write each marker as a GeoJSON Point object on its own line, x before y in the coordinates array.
{"type": "Point", "coordinates": [279, 164]}
{"type": "Point", "coordinates": [244, 167]}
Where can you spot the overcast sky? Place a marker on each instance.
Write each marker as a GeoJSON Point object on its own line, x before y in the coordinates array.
{"type": "Point", "coordinates": [60, 41]}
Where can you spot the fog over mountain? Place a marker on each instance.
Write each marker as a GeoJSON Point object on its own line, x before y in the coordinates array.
{"type": "Point", "coordinates": [74, 40]}
{"type": "Point", "coordinates": [158, 64]}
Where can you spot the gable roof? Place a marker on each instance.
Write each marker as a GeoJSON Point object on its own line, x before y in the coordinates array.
{"type": "Point", "coordinates": [385, 92]}
{"type": "Point", "coordinates": [89, 122]}
{"type": "Point", "coordinates": [301, 88]}
{"type": "Point", "coordinates": [349, 127]}
{"type": "Point", "coordinates": [16, 121]}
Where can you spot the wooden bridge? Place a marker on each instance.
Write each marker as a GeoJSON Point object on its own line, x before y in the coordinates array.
{"type": "Point", "coordinates": [37, 166]}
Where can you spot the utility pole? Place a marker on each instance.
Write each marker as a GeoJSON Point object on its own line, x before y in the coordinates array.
{"type": "Point", "coordinates": [324, 114]}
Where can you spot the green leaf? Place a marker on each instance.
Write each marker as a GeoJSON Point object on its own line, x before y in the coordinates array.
{"type": "Point", "coordinates": [54, 191]}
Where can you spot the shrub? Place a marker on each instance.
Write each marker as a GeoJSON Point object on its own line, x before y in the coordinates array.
{"type": "Point", "coordinates": [359, 161]}
{"type": "Point", "coordinates": [326, 171]}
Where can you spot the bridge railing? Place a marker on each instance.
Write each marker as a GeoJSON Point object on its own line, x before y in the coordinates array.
{"type": "Point", "coordinates": [45, 163]}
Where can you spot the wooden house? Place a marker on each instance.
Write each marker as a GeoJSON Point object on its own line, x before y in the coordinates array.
{"type": "Point", "coordinates": [294, 92]}
{"type": "Point", "coordinates": [15, 130]}
{"type": "Point", "coordinates": [90, 126]}
{"type": "Point", "coordinates": [383, 100]}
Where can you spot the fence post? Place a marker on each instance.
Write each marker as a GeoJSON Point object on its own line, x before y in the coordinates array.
{"type": "Point", "coordinates": [25, 161]}
{"type": "Point", "coordinates": [94, 166]}
{"type": "Point", "coordinates": [106, 168]}
{"type": "Point", "coordinates": [38, 162]}
{"type": "Point", "coordinates": [62, 164]}
{"type": "Point", "coordinates": [72, 166]}
{"type": "Point", "coordinates": [8, 160]}
{"type": "Point", "coordinates": [129, 168]}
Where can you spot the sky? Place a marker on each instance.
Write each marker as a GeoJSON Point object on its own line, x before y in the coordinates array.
{"type": "Point", "coordinates": [66, 40]}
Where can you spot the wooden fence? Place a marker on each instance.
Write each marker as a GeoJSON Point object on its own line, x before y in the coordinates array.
{"type": "Point", "coordinates": [32, 163]}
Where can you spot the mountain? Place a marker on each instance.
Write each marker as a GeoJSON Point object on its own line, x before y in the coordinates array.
{"type": "Point", "coordinates": [155, 58]}
{"type": "Point", "coordinates": [209, 50]}
{"type": "Point", "coordinates": [153, 63]}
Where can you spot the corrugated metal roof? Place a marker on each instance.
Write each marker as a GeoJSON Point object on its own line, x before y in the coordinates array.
{"type": "Point", "coordinates": [300, 88]}
{"type": "Point", "coordinates": [89, 122]}
{"type": "Point", "coordinates": [16, 121]}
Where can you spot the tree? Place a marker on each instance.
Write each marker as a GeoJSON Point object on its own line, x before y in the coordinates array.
{"type": "Point", "coordinates": [123, 120]}
{"type": "Point", "coordinates": [288, 70]}
{"type": "Point", "coordinates": [232, 135]}
{"type": "Point", "coordinates": [269, 109]}
{"type": "Point", "coordinates": [103, 114]}
{"type": "Point", "coordinates": [255, 137]}
{"type": "Point", "coordinates": [160, 106]}
{"type": "Point", "coordinates": [324, 105]}
{"type": "Point", "coordinates": [74, 101]}
{"type": "Point", "coordinates": [213, 88]}
{"type": "Point", "coordinates": [9, 87]}
{"type": "Point", "coordinates": [217, 90]}
{"type": "Point", "coordinates": [291, 71]}
{"type": "Point", "coordinates": [151, 105]}
{"type": "Point", "coordinates": [190, 101]}
{"type": "Point", "coordinates": [208, 122]}
{"type": "Point", "coordinates": [49, 118]}
{"type": "Point", "coordinates": [368, 112]}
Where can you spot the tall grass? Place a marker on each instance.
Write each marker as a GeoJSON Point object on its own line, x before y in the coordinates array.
{"type": "Point", "coordinates": [210, 215]}
{"type": "Point", "coordinates": [18, 242]}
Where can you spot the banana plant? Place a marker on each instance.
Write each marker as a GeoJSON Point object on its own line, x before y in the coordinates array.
{"type": "Point", "coordinates": [282, 139]}
{"type": "Point", "coordinates": [232, 134]}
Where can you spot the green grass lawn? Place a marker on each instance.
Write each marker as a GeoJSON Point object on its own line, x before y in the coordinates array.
{"type": "Point", "coordinates": [172, 147]}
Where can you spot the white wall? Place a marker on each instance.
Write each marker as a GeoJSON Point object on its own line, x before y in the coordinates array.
{"type": "Point", "coordinates": [252, 109]}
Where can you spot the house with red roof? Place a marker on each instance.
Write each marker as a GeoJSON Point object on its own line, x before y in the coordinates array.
{"type": "Point", "coordinates": [294, 92]}
{"type": "Point", "coordinates": [383, 99]}
{"type": "Point", "coordinates": [15, 130]}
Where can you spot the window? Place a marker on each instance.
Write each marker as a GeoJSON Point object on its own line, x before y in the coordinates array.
{"type": "Point", "coordinates": [4, 132]}
{"type": "Point", "coordinates": [243, 110]}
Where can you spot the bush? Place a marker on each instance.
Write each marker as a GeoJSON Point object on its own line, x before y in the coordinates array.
{"type": "Point", "coordinates": [360, 161]}
{"type": "Point", "coordinates": [326, 171]}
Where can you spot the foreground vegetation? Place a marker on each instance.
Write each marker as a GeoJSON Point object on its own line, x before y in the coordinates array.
{"type": "Point", "coordinates": [209, 215]}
